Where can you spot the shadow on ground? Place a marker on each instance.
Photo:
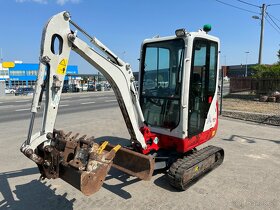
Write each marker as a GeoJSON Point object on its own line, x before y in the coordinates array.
{"type": "Point", "coordinates": [123, 178]}
{"type": "Point", "coordinates": [113, 140]}
{"type": "Point", "coordinates": [32, 196]}
{"type": "Point", "coordinates": [123, 181]}
{"type": "Point", "coordinates": [163, 183]}
{"type": "Point", "coordinates": [249, 139]}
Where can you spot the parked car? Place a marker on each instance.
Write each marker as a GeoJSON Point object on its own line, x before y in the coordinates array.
{"type": "Point", "coordinates": [91, 88]}
{"type": "Point", "coordinates": [84, 87]}
{"type": "Point", "coordinates": [108, 87]}
{"type": "Point", "coordinates": [24, 91]}
{"type": "Point", "coordinates": [65, 89]}
{"type": "Point", "coordinates": [9, 91]}
{"type": "Point", "coordinates": [70, 88]}
{"type": "Point", "coordinates": [99, 87]}
{"type": "Point", "coordinates": [73, 88]}
{"type": "Point", "coordinates": [103, 87]}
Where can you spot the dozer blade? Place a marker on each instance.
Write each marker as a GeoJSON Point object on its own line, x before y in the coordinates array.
{"type": "Point", "coordinates": [133, 163]}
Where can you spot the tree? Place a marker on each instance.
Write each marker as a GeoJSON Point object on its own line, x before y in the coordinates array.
{"type": "Point", "coordinates": [267, 71]}
{"type": "Point", "coordinates": [278, 55]}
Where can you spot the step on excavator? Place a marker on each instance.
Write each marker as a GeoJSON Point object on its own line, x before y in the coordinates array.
{"type": "Point", "coordinates": [173, 110]}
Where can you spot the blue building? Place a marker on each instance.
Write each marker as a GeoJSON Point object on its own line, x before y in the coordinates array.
{"type": "Point", "coordinates": [25, 74]}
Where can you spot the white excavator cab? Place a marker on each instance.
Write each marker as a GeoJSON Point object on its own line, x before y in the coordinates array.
{"type": "Point", "coordinates": [178, 86]}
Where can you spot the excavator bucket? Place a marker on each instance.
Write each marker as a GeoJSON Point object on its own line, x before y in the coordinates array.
{"type": "Point", "coordinates": [85, 164]}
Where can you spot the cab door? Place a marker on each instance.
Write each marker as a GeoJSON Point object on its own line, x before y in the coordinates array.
{"type": "Point", "coordinates": [203, 78]}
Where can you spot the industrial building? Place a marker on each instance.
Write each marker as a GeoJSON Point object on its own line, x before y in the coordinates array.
{"type": "Point", "coordinates": [238, 70]}
{"type": "Point", "coordinates": [19, 74]}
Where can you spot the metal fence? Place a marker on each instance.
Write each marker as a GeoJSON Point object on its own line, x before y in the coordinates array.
{"type": "Point", "coordinates": [260, 86]}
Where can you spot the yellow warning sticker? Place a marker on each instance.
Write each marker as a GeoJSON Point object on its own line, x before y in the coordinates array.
{"type": "Point", "coordinates": [61, 69]}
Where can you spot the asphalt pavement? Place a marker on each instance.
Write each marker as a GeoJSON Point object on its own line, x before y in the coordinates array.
{"type": "Point", "coordinates": [18, 107]}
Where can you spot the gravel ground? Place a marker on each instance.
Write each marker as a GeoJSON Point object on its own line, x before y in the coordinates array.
{"type": "Point", "coordinates": [247, 107]}
{"type": "Point", "coordinates": [251, 106]}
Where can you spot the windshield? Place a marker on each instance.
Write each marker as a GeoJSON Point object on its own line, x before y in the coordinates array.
{"type": "Point", "coordinates": [161, 82]}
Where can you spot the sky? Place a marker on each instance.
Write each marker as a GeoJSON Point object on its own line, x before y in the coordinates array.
{"type": "Point", "coordinates": [122, 25]}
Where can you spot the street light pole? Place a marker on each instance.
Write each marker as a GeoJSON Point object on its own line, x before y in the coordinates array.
{"type": "Point", "coordinates": [261, 36]}
{"type": "Point", "coordinates": [263, 7]}
{"type": "Point", "coordinates": [246, 72]}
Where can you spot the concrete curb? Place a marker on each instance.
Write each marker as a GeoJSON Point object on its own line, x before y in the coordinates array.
{"type": "Point", "coordinates": [253, 117]}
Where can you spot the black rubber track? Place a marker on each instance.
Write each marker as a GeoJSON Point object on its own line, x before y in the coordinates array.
{"type": "Point", "coordinates": [179, 170]}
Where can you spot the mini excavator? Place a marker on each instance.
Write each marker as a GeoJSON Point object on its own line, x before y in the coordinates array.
{"type": "Point", "coordinates": [174, 110]}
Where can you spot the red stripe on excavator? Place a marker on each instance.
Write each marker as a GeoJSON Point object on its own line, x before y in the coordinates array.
{"type": "Point", "coordinates": [184, 145]}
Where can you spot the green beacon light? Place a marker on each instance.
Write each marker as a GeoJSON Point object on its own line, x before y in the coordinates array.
{"type": "Point", "coordinates": [207, 28]}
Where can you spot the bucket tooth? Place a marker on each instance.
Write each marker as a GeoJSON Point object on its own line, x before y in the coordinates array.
{"type": "Point", "coordinates": [67, 135]}
{"type": "Point", "coordinates": [82, 138]}
{"type": "Point", "coordinates": [74, 138]}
